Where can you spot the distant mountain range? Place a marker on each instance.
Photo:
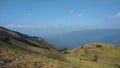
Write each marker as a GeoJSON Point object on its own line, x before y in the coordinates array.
{"type": "Point", "coordinates": [76, 38]}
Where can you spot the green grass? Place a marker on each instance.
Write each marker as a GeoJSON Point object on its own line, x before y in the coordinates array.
{"type": "Point", "coordinates": [107, 55]}
{"type": "Point", "coordinates": [82, 57]}
{"type": "Point", "coordinates": [42, 57]}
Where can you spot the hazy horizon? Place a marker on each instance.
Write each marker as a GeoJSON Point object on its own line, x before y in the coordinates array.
{"type": "Point", "coordinates": [43, 17]}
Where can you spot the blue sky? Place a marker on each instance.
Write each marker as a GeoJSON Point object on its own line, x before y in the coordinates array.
{"type": "Point", "coordinates": [57, 16]}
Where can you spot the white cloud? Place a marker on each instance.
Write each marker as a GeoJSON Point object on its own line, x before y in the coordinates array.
{"type": "Point", "coordinates": [117, 15]}
{"type": "Point", "coordinates": [28, 14]}
{"type": "Point", "coordinates": [69, 16]}
{"type": "Point", "coordinates": [80, 14]}
{"type": "Point", "coordinates": [33, 26]}
{"type": "Point", "coordinates": [19, 26]}
{"type": "Point", "coordinates": [57, 26]}
{"type": "Point", "coordinates": [10, 25]}
{"type": "Point", "coordinates": [71, 11]}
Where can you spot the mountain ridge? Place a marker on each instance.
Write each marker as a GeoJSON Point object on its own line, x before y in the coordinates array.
{"type": "Point", "coordinates": [34, 40]}
{"type": "Point", "coordinates": [75, 38]}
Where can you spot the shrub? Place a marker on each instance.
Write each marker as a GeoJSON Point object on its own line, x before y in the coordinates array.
{"type": "Point", "coordinates": [64, 50]}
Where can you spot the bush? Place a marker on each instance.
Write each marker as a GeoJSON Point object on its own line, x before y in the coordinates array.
{"type": "Point", "coordinates": [95, 58]}
{"type": "Point", "coordinates": [5, 39]}
{"type": "Point", "coordinates": [64, 50]}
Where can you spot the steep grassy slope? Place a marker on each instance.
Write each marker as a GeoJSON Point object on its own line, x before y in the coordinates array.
{"type": "Point", "coordinates": [22, 55]}
{"type": "Point", "coordinates": [31, 40]}
{"type": "Point", "coordinates": [22, 51]}
{"type": "Point", "coordinates": [96, 55]}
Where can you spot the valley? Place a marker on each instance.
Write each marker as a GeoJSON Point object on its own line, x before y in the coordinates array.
{"type": "Point", "coordinates": [73, 39]}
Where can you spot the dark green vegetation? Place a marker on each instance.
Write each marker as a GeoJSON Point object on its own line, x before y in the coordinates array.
{"type": "Point", "coordinates": [22, 51]}
{"type": "Point", "coordinates": [31, 40]}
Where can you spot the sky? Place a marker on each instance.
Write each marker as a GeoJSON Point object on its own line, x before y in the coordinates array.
{"type": "Point", "coordinates": [43, 17]}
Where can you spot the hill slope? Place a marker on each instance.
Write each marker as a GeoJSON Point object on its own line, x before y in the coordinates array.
{"type": "Point", "coordinates": [31, 40]}
{"type": "Point", "coordinates": [22, 51]}
{"type": "Point", "coordinates": [96, 55]}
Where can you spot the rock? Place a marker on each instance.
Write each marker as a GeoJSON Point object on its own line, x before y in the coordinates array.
{"type": "Point", "coordinates": [5, 60]}
{"type": "Point", "coordinates": [117, 66]}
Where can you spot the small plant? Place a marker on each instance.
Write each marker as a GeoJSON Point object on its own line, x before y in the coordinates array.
{"type": "Point", "coordinates": [64, 50]}
{"type": "Point", "coordinates": [95, 58]}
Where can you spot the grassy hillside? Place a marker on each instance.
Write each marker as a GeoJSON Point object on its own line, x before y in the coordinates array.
{"type": "Point", "coordinates": [96, 55]}
{"type": "Point", "coordinates": [21, 54]}
{"type": "Point", "coordinates": [23, 51]}
{"type": "Point", "coordinates": [31, 40]}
